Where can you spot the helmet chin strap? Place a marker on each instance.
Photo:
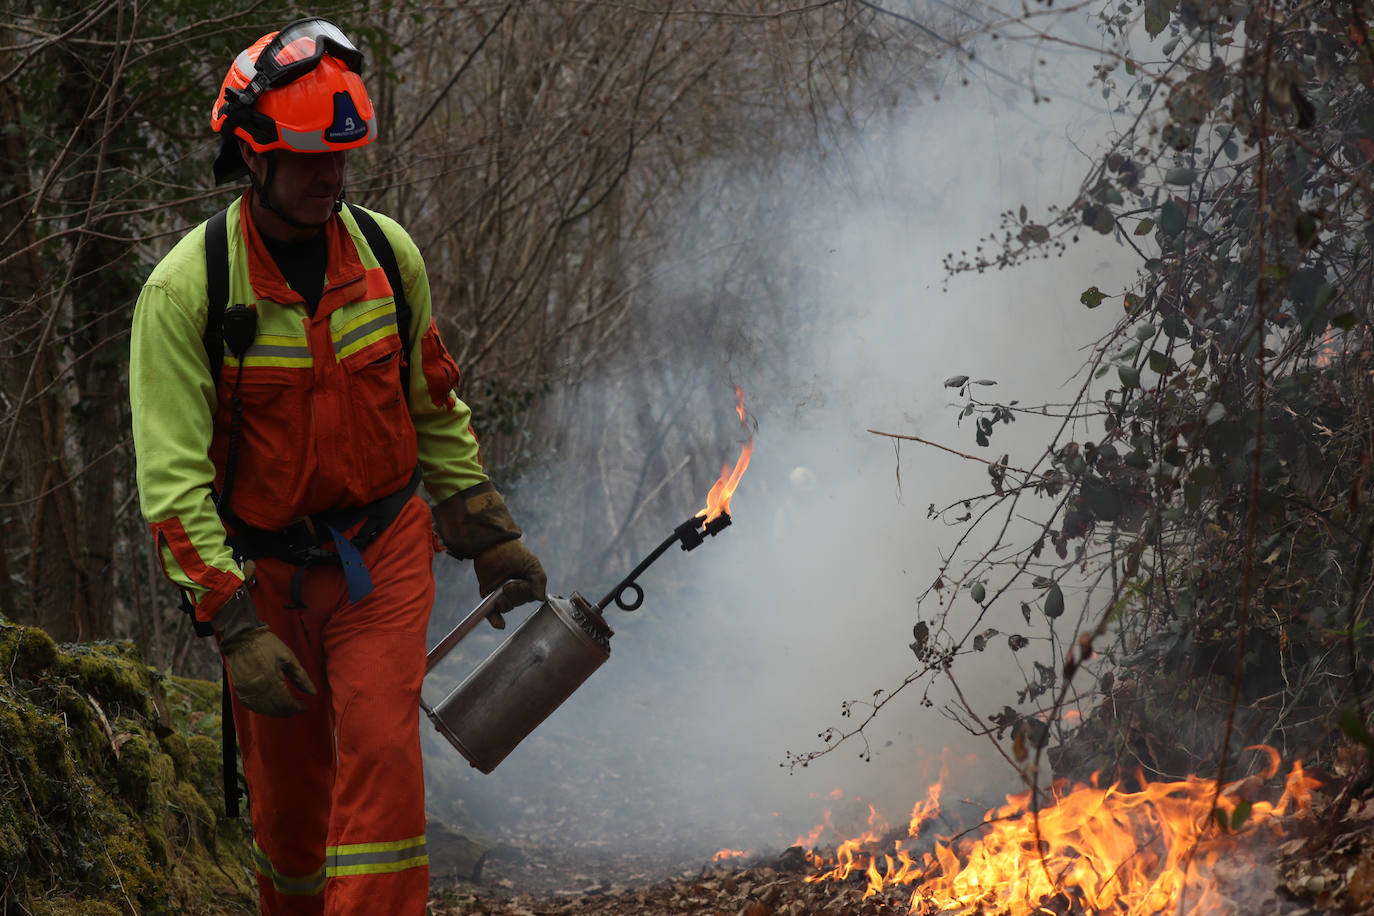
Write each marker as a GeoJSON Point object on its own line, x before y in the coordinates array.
{"type": "Point", "coordinates": [265, 197]}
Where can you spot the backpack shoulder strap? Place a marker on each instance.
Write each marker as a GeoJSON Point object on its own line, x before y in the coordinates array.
{"type": "Point", "coordinates": [381, 250]}
{"type": "Point", "coordinates": [217, 299]}
{"type": "Point", "coordinates": [217, 287]}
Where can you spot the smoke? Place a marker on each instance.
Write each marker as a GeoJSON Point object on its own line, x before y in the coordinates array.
{"type": "Point", "coordinates": [746, 648]}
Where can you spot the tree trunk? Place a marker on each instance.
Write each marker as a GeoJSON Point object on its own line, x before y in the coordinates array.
{"type": "Point", "coordinates": [38, 502]}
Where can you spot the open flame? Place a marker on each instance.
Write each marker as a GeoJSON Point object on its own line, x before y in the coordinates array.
{"type": "Point", "coordinates": [718, 499]}
{"type": "Point", "coordinates": [1092, 849]}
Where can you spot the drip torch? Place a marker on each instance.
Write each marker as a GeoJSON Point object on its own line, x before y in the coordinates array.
{"type": "Point", "coordinates": [542, 662]}
{"type": "Point", "coordinates": [557, 647]}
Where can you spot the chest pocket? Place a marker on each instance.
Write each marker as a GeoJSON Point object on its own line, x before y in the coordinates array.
{"type": "Point", "coordinates": [382, 434]}
{"type": "Point", "coordinates": [276, 418]}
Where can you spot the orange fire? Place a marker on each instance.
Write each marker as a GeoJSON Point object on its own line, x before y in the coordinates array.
{"type": "Point", "coordinates": [1106, 850]}
{"type": "Point", "coordinates": [718, 500]}
{"type": "Point", "coordinates": [723, 854]}
{"type": "Point", "coordinates": [809, 839]}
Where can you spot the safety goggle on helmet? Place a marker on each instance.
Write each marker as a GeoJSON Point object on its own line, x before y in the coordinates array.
{"type": "Point", "coordinates": [298, 89]}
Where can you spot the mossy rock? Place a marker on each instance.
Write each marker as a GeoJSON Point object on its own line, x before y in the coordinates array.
{"type": "Point", "coordinates": [23, 651]}
{"type": "Point", "coordinates": [113, 802]}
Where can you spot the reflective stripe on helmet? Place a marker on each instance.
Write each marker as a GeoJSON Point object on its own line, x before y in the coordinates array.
{"type": "Point", "coordinates": [314, 141]}
{"type": "Point", "coordinates": [246, 66]}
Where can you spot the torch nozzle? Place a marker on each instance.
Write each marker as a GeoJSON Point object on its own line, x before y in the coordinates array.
{"type": "Point", "coordinates": [694, 531]}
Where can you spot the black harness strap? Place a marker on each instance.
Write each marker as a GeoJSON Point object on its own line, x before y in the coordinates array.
{"type": "Point", "coordinates": [217, 285]}
{"type": "Point", "coordinates": [217, 288]}
{"type": "Point", "coordinates": [302, 543]}
{"type": "Point", "coordinates": [381, 250]}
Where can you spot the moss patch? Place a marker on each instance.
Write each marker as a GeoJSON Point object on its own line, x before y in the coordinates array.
{"type": "Point", "coordinates": [110, 788]}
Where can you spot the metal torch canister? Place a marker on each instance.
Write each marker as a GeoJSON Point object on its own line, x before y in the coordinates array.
{"type": "Point", "coordinates": [523, 681]}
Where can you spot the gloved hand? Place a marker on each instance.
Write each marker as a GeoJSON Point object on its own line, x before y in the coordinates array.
{"type": "Point", "coordinates": [510, 562]}
{"type": "Point", "coordinates": [475, 524]}
{"type": "Point", "coordinates": [259, 663]}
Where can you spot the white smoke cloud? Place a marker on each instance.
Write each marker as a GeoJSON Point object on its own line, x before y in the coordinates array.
{"type": "Point", "coordinates": [746, 647]}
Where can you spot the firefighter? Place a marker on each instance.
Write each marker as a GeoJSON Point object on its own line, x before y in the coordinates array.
{"type": "Point", "coordinates": [279, 477]}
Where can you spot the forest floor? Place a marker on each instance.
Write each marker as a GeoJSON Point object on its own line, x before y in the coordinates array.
{"type": "Point", "coordinates": [1301, 865]}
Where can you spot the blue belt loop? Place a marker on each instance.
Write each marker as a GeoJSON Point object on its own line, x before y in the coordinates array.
{"type": "Point", "coordinates": [354, 569]}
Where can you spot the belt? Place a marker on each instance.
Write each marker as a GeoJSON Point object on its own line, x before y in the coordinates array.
{"type": "Point", "coordinates": [304, 542]}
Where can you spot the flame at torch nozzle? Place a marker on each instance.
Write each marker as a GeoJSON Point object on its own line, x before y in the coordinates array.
{"type": "Point", "coordinates": [718, 499]}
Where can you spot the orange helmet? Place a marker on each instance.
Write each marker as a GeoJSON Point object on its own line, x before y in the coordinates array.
{"type": "Point", "coordinates": [298, 89]}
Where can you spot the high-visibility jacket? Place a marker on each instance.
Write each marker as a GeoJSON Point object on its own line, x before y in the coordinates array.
{"type": "Point", "coordinates": [324, 423]}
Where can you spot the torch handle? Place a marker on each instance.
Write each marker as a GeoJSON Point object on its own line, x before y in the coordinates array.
{"type": "Point", "coordinates": [464, 627]}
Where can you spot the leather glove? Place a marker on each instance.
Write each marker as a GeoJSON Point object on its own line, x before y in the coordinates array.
{"type": "Point", "coordinates": [512, 563]}
{"type": "Point", "coordinates": [475, 524]}
{"type": "Point", "coordinates": [259, 663]}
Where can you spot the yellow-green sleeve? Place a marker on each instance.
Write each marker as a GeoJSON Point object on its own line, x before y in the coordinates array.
{"type": "Point", "coordinates": [172, 397]}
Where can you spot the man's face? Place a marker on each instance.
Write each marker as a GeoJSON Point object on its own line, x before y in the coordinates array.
{"type": "Point", "coordinates": [304, 187]}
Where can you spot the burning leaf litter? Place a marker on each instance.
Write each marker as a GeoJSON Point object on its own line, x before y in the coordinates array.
{"type": "Point", "coordinates": [1162, 849]}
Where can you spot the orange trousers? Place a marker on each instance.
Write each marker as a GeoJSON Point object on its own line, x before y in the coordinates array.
{"type": "Point", "coordinates": [337, 793]}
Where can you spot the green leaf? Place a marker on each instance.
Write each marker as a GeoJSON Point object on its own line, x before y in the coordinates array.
{"type": "Point", "coordinates": [1345, 321]}
{"type": "Point", "coordinates": [978, 592]}
{"type": "Point", "coordinates": [1144, 226]}
{"type": "Point", "coordinates": [1171, 218]}
{"type": "Point", "coordinates": [1180, 174]}
{"type": "Point", "coordinates": [1159, 363]}
{"type": "Point", "coordinates": [1354, 727]}
{"type": "Point", "coordinates": [1129, 375]}
{"type": "Point", "coordinates": [1174, 325]}
{"type": "Point", "coordinates": [1241, 814]}
{"type": "Point", "coordinates": [1092, 297]}
{"type": "Point", "coordinates": [1054, 602]}
{"type": "Point", "coordinates": [1305, 229]}
{"type": "Point", "coordinates": [1156, 17]}
{"type": "Point", "coordinates": [1204, 475]}
{"type": "Point", "coordinates": [1325, 293]}
{"type": "Point", "coordinates": [956, 381]}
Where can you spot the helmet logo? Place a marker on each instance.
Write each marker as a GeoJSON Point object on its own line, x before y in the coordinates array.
{"type": "Point", "coordinates": [348, 124]}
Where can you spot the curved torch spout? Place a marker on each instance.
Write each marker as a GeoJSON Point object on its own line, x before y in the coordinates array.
{"type": "Point", "coordinates": [691, 533]}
